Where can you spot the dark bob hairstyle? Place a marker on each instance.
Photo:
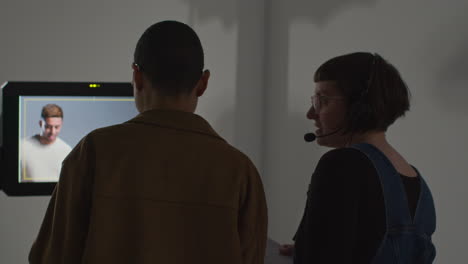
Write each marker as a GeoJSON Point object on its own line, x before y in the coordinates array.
{"type": "Point", "coordinates": [376, 94]}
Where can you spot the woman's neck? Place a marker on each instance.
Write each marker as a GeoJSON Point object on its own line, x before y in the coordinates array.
{"type": "Point", "coordinates": [376, 138]}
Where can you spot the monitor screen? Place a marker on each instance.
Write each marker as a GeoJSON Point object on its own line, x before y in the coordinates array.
{"type": "Point", "coordinates": [44, 121]}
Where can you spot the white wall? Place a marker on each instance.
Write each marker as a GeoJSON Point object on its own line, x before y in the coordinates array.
{"type": "Point", "coordinates": [94, 41]}
{"type": "Point", "coordinates": [428, 43]}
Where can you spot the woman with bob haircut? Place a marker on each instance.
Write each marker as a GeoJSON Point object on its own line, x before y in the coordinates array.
{"type": "Point", "coordinates": [365, 202]}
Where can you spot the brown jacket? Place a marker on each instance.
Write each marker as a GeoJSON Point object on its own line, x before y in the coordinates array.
{"type": "Point", "coordinates": [160, 188]}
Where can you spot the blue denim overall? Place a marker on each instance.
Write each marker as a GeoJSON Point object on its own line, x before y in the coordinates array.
{"type": "Point", "coordinates": [406, 240]}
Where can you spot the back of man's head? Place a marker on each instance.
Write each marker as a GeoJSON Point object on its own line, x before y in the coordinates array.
{"type": "Point", "coordinates": [170, 55]}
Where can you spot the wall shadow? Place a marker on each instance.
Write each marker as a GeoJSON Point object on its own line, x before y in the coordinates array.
{"type": "Point", "coordinates": [319, 13]}
{"type": "Point", "coordinates": [254, 21]}
{"type": "Point", "coordinates": [264, 29]}
{"type": "Point", "coordinates": [452, 80]}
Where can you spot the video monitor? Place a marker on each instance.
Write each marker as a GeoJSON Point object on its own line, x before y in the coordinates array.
{"type": "Point", "coordinates": [43, 121]}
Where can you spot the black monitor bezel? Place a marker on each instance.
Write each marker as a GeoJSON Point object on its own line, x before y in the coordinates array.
{"type": "Point", "coordinates": [11, 93]}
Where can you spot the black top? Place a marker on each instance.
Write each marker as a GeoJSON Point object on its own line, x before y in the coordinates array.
{"type": "Point", "coordinates": [344, 218]}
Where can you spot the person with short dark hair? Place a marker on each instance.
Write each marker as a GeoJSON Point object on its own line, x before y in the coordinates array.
{"type": "Point", "coordinates": [43, 153]}
{"type": "Point", "coordinates": [163, 187]}
{"type": "Point", "coordinates": [365, 202]}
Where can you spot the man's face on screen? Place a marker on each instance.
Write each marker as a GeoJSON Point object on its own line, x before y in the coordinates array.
{"type": "Point", "coordinates": [50, 129]}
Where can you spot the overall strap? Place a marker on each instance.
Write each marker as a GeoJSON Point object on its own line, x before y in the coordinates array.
{"type": "Point", "coordinates": [397, 212]}
{"type": "Point", "coordinates": [425, 217]}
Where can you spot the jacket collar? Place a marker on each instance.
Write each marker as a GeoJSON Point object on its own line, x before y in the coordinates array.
{"type": "Point", "coordinates": [178, 120]}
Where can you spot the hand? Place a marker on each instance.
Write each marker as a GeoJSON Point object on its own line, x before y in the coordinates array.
{"type": "Point", "coordinates": [286, 249]}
